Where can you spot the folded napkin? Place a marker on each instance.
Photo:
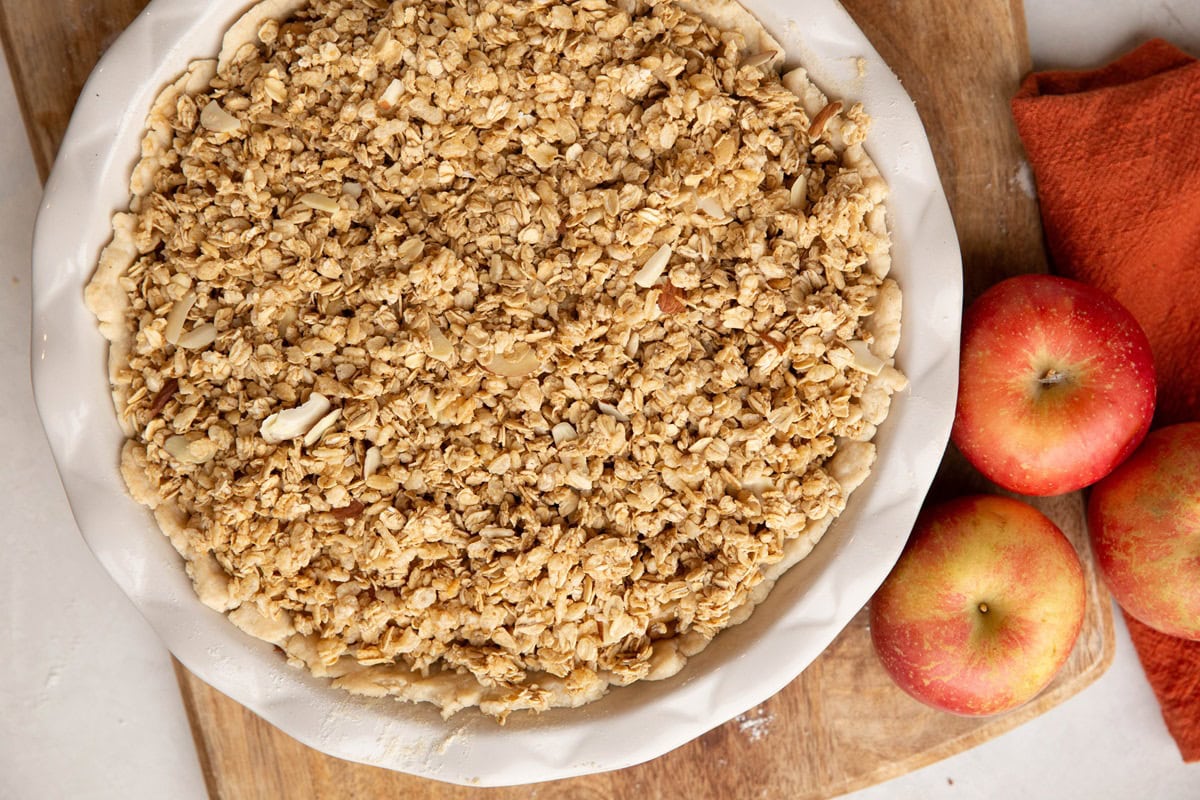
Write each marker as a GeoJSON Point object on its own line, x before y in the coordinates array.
{"type": "Point", "coordinates": [1116, 156]}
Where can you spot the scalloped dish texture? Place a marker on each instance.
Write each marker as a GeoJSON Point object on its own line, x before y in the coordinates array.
{"type": "Point", "coordinates": [496, 353]}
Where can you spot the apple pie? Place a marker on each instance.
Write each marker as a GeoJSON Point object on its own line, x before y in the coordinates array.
{"type": "Point", "coordinates": [494, 353]}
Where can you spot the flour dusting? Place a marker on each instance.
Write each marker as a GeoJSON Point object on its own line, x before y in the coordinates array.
{"type": "Point", "coordinates": [1023, 180]}
{"type": "Point", "coordinates": [756, 724]}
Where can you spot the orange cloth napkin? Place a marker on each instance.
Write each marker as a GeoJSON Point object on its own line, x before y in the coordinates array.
{"type": "Point", "coordinates": [1116, 156]}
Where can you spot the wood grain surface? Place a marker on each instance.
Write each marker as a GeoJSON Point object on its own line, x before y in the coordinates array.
{"type": "Point", "coordinates": [842, 724]}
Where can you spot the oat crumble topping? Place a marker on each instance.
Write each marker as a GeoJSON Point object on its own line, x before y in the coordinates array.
{"type": "Point", "coordinates": [490, 353]}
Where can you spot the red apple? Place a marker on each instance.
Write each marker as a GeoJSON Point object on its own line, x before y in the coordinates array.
{"type": "Point", "coordinates": [1144, 523]}
{"type": "Point", "coordinates": [983, 607]}
{"type": "Point", "coordinates": [1056, 385]}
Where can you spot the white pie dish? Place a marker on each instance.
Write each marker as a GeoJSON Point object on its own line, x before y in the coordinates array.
{"type": "Point", "coordinates": [744, 665]}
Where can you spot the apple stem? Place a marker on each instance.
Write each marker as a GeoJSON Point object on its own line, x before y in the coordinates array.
{"type": "Point", "coordinates": [1051, 377]}
{"type": "Point", "coordinates": [983, 608]}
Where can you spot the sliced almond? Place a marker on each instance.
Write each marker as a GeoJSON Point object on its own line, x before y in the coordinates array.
{"type": "Point", "coordinates": [275, 89]}
{"type": "Point", "coordinates": [631, 347]}
{"type": "Point", "coordinates": [294, 422]}
{"type": "Point", "coordinates": [391, 95]}
{"type": "Point", "coordinates": [757, 485]}
{"type": "Point", "coordinates": [779, 344]}
{"type": "Point", "coordinates": [177, 316]}
{"type": "Point", "coordinates": [184, 450]}
{"type": "Point", "coordinates": [864, 360]}
{"type": "Point", "coordinates": [217, 119]}
{"type": "Point", "coordinates": [323, 424]}
{"type": "Point", "coordinates": [609, 410]}
{"type": "Point", "coordinates": [317, 202]}
{"type": "Point", "coordinates": [822, 119]}
{"type": "Point", "coordinates": [371, 461]}
{"type": "Point", "coordinates": [711, 206]}
{"type": "Point", "coordinates": [758, 59]}
{"type": "Point", "coordinates": [439, 346]}
{"type": "Point", "coordinates": [177, 447]}
{"type": "Point", "coordinates": [655, 265]}
{"type": "Point", "coordinates": [353, 509]}
{"type": "Point", "coordinates": [564, 432]}
{"type": "Point", "coordinates": [199, 337]}
{"type": "Point", "coordinates": [512, 365]}
{"type": "Point", "coordinates": [798, 194]}
{"type": "Point", "coordinates": [670, 299]}
{"type": "Point", "coordinates": [163, 396]}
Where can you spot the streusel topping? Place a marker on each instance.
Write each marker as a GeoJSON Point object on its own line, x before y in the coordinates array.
{"type": "Point", "coordinates": [490, 353]}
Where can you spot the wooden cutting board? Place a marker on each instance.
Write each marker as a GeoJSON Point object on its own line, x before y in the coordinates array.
{"type": "Point", "coordinates": [842, 724]}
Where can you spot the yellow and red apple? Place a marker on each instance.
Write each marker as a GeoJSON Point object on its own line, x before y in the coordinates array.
{"type": "Point", "coordinates": [982, 608]}
{"type": "Point", "coordinates": [1144, 523]}
{"type": "Point", "coordinates": [1056, 385]}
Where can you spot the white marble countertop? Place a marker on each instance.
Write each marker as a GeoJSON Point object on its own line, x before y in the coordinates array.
{"type": "Point", "coordinates": [90, 709]}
